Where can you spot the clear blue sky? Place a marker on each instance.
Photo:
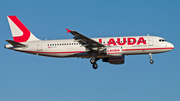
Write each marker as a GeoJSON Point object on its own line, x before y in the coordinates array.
{"type": "Point", "coordinates": [26, 77]}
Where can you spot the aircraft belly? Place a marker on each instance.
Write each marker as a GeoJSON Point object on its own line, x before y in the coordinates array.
{"type": "Point", "coordinates": [64, 54]}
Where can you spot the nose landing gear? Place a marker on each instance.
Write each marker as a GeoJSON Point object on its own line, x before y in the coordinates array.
{"type": "Point", "coordinates": [150, 56]}
{"type": "Point", "coordinates": [151, 61]}
{"type": "Point", "coordinates": [93, 62]}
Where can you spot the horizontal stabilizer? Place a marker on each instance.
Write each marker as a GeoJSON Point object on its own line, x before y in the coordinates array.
{"type": "Point", "coordinates": [15, 43]}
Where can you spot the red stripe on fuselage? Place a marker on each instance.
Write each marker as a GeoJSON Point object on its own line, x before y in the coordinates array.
{"type": "Point", "coordinates": [147, 49]}
{"type": "Point", "coordinates": [84, 51]}
{"type": "Point", "coordinates": [20, 25]}
{"type": "Point", "coordinates": [52, 52]}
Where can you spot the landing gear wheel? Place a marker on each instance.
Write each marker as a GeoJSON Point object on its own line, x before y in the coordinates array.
{"type": "Point", "coordinates": [150, 56]}
{"type": "Point", "coordinates": [93, 60]}
{"type": "Point", "coordinates": [95, 66]}
{"type": "Point", "coordinates": [151, 61]}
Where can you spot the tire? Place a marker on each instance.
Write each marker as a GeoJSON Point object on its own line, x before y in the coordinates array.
{"type": "Point", "coordinates": [151, 61]}
{"type": "Point", "coordinates": [93, 60]}
{"type": "Point", "coordinates": [95, 66]}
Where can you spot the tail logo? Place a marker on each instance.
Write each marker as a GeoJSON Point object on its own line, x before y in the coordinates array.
{"type": "Point", "coordinates": [20, 25]}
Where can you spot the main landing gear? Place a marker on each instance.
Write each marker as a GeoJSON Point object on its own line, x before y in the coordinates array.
{"type": "Point", "coordinates": [150, 56]}
{"type": "Point", "coordinates": [93, 62]}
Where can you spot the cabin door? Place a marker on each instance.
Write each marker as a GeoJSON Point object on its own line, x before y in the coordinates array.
{"type": "Point", "coordinates": [39, 46]}
{"type": "Point", "coordinates": [150, 41]}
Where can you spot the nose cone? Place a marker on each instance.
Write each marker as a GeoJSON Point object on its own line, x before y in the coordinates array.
{"type": "Point", "coordinates": [171, 46]}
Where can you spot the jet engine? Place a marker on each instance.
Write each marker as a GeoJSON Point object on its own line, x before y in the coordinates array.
{"type": "Point", "coordinates": [115, 60]}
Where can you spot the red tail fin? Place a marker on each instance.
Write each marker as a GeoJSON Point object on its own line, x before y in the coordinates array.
{"type": "Point", "coordinates": [19, 31]}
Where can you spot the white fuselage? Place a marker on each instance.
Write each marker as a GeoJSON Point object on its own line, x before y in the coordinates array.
{"type": "Point", "coordinates": [109, 49]}
{"type": "Point", "coordinates": [71, 48]}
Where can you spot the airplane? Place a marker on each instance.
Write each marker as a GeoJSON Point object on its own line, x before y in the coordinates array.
{"type": "Point", "coordinates": [110, 49]}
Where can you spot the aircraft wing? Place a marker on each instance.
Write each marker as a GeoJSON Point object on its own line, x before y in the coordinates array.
{"type": "Point", "coordinates": [85, 41]}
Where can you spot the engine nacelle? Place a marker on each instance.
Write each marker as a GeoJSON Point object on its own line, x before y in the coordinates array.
{"type": "Point", "coordinates": [115, 60]}
{"type": "Point", "coordinates": [113, 51]}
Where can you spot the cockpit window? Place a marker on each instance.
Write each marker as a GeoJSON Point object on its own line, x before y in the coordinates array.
{"type": "Point", "coordinates": [162, 40]}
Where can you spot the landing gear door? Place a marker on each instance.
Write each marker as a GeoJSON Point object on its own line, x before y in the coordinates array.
{"type": "Point", "coordinates": [150, 41]}
{"type": "Point", "coordinates": [39, 46]}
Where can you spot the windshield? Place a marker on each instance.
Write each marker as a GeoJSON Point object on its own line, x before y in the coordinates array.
{"type": "Point", "coordinates": [162, 40]}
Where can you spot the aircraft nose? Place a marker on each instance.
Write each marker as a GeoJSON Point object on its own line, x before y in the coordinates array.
{"type": "Point", "coordinates": [171, 45]}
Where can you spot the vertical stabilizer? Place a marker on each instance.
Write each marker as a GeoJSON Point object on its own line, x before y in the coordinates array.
{"type": "Point", "coordinates": [19, 32]}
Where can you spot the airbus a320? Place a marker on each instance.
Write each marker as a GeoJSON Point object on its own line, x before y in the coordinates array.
{"type": "Point", "coordinates": [109, 49]}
